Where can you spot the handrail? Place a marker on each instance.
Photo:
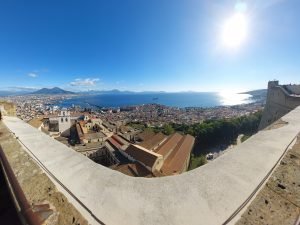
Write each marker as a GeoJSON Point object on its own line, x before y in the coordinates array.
{"type": "Point", "coordinates": [26, 211]}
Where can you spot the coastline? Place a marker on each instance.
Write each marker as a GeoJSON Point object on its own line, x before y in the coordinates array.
{"type": "Point", "coordinates": [177, 100]}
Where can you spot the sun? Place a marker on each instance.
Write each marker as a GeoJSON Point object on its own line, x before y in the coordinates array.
{"type": "Point", "coordinates": [234, 31]}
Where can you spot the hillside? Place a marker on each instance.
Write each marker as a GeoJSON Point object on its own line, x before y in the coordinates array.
{"type": "Point", "coordinates": [259, 95]}
{"type": "Point", "coordinates": [52, 91]}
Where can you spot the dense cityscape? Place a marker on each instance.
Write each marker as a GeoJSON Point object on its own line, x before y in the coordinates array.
{"type": "Point", "coordinates": [150, 112]}
{"type": "Point", "coordinates": [32, 106]}
{"type": "Point", "coordinates": [106, 135]}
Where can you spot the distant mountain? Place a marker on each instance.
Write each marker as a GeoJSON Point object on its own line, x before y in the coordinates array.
{"type": "Point", "coordinates": [13, 93]}
{"type": "Point", "coordinates": [259, 95]}
{"type": "Point", "coordinates": [108, 92]}
{"type": "Point", "coordinates": [6, 93]}
{"type": "Point", "coordinates": [259, 92]}
{"type": "Point", "coordinates": [117, 92]}
{"type": "Point", "coordinates": [52, 91]}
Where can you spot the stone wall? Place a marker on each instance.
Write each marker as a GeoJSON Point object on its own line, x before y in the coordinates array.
{"type": "Point", "coordinates": [36, 185]}
{"type": "Point", "coordinates": [7, 108]}
{"type": "Point", "coordinates": [293, 89]}
{"type": "Point", "coordinates": [208, 195]}
{"type": "Point", "coordinates": [279, 102]}
{"type": "Point", "coordinates": [278, 202]}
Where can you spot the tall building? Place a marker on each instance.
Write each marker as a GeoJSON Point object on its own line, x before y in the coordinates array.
{"type": "Point", "coordinates": [64, 121]}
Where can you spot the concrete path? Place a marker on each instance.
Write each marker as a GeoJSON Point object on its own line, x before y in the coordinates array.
{"type": "Point", "coordinates": [207, 195]}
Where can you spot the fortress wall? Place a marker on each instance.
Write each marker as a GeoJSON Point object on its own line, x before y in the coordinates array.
{"type": "Point", "coordinates": [208, 195]}
{"type": "Point", "coordinates": [294, 89]}
{"type": "Point", "coordinates": [279, 102]}
{"type": "Point", "coordinates": [36, 185]}
{"type": "Point", "coordinates": [7, 108]}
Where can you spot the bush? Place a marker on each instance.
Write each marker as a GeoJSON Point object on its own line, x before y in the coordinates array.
{"type": "Point", "coordinates": [197, 161]}
{"type": "Point", "coordinates": [211, 133]}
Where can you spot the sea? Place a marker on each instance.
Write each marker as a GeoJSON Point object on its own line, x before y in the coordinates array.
{"type": "Point", "coordinates": [181, 100]}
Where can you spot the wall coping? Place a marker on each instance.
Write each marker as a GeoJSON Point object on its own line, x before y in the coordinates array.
{"type": "Point", "coordinates": [207, 195]}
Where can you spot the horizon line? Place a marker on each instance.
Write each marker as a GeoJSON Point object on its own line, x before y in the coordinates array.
{"type": "Point", "coordinates": [34, 89]}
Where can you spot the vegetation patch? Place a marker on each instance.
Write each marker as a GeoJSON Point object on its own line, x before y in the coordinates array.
{"type": "Point", "coordinates": [245, 137]}
{"type": "Point", "coordinates": [210, 133]}
{"type": "Point", "coordinates": [197, 161]}
{"type": "Point", "coordinates": [218, 132]}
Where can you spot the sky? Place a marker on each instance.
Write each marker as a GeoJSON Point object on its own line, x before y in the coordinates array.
{"type": "Point", "coordinates": [157, 45]}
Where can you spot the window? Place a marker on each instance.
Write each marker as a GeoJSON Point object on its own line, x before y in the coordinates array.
{"type": "Point", "coordinates": [66, 119]}
{"type": "Point", "coordinates": [62, 120]}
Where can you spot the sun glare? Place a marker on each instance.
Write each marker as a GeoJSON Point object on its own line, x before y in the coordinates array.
{"type": "Point", "coordinates": [233, 98]}
{"type": "Point", "coordinates": [234, 31]}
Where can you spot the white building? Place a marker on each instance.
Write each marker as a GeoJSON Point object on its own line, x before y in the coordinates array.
{"type": "Point", "coordinates": [64, 121]}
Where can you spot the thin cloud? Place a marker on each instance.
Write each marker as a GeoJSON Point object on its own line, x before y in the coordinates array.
{"type": "Point", "coordinates": [34, 75]}
{"type": "Point", "coordinates": [44, 70]}
{"type": "Point", "coordinates": [84, 82]}
{"type": "Point", "coordinates": [21, 88]}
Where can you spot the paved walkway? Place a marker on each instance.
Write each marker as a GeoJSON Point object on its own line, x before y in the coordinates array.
{"type": "Point", "coordinates": [207, 195]}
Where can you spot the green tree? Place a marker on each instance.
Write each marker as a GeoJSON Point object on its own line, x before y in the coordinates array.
{"type": "Point", "coordinates": [197, 161]}
{"type": "Point", "coordinates": [168, 129]}
{"type": "Point", "coordinates": [212, 133]}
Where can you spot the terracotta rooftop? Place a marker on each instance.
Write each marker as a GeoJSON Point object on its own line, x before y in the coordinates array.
{"type": "Point", "coordinates": [145, 135]}
{"type": "Point", "coordinates": [82, 126]}
{"type": "Point", "coordinates": [79, 131]}
{"type": "Point", "coordinates": [120, 140]}
{"type": "Point", "coordinates": [166, 148]}
{"type": "Point", "coordinates": [133, 169]}
{"type": "Point", "coordinates": [115, 144]}
{"type": "Point", "coordinates": [154, 141]}
{"type": "Point", "coordinates": [143, 155]}
{"type": "Point", "coordinates": [176, 161]}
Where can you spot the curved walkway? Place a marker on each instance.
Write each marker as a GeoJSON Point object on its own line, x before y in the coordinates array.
{"type": "Point", "coordinates": [208, 195]}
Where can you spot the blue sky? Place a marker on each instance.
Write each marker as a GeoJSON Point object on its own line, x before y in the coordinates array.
{"type": "Point", "coordinates": [158, 45]}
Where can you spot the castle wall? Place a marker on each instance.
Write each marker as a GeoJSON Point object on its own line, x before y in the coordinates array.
{"type": "Point", "coordinates": [279, 102]}
{"type": "Point", "coordinates": [293, 89]}
{"type": "Point", "coordinates": [7, 108]}
{"type": "Point", "coordinates": [208, 195]}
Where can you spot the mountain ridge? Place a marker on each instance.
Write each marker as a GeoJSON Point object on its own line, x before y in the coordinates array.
{"type": "Point", "coordinates": [52, 91]}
